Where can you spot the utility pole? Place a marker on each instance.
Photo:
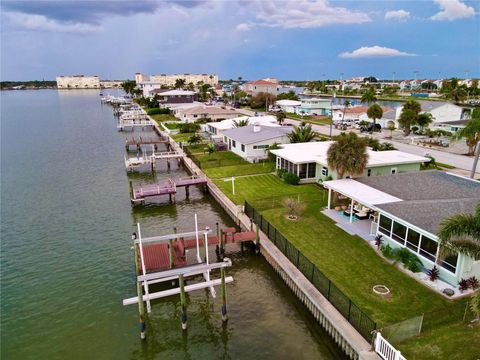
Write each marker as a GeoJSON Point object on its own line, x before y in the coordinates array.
{"type": "Point", "coordinates": [475, 161]}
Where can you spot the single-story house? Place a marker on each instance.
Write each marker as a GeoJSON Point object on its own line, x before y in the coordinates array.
{"type": "Point", "coordinates": [452, 126]}
{"type": "Point", "coordinates": [175, 96]}
{"type": "Point", "coordinates": [214, 113]}
{"type": "Point", "coordinates": [215, 129]}
{"type": "Point", "coordinates": [353, 113]}
{"type": "Point", "coordinates": [251, 142]}
{"type": "Point", "coordinates": [309, 161]}
{"type": "Point", "coordinates": [408, 209]}
{"type": "Point", "coordinates": [288, 106]}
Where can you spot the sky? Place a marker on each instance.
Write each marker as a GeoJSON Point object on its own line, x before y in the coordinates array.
{"type": "Point", "coordinates": [290, 40]}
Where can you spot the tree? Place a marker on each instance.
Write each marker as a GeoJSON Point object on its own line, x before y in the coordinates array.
{"type": "Point", "coordinates": [409, 115]}
{"type": "Point", "coordinates": [225, 98]}
{"type": "Point", "coordinates": [179, 83]}
{"type": "Point", "coordinates": [346, 105]}
{"type": "Point", "coordinates": [375, 112]}
{"type": "Point", "coordinates": [424, 120]}
{"type": "Point", "coordinates": [194, 139]}
{"type": "Point", "coordinates": [274, 146]}
{"type": "Point", "coordinates": [291, 95]}
{"type": "Point", "coordinates": [281, 117]}
{"type": "Point", "coordinates": [457, 94]}
{"type": "Point", "coordinates": [294, 207]}
{"type": "Point", "coordinates": [211, 149]}
{"type": "Point", "coordinates": [129, 86]}
{"type": "Point", "coordinates": [240, 123]}
{"type": "Point", "coordinates": [471, 132]}
{"type": "Point", "coordinates": [347, 155]}
{"type": "Point", "coordinates": [260, 100]}
{"type": "Point", "coordinates": [302, 134]}
{"type": "Point", "coordinates": [190, 86]}
{"type": "Point", "coordinates": [369, 96]}
{"type": "Point", "coordinates": [461, 234]}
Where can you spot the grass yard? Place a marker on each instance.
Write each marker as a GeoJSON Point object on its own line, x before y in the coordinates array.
{"type": "Point", "coordinates": [163, 117]}
{"type": "Point", "coordinates": [240, 170]}
{"type": "Point", "coordinates": [171, 126]}
{"type": "Point", "coordinates": [355, 268]}
{"type": "Point", "coordinates": [182, 137]}
{"type": "Point", "coordinates": [218, 159]}
{"type": "Point", "coordinates": [262, 186]}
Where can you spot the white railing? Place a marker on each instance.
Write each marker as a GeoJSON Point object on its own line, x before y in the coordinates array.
{"type": "Point", "coordinates": [385, 350]}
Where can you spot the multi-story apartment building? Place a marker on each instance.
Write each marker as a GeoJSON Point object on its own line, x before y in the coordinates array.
{"type": "Point", "coordinates": [139, 78]}
{"type": "Point", "coordinates": [78, 82]}
{"type": "Point", "coordinates": [169, 80]}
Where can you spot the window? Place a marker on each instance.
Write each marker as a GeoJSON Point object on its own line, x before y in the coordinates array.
{"type": "Point", "coordinates": [413, 239]}
{"type": "Point", "coordinates": [385, 225]}
{"type": "Point", "coordinates": [324, 171]}
{"type": "Point", "coordinates": [450, 263]}
{"type": "Point", "coordinates": [311, 170]}
{"type": "Point", "coordinates": [428, 248]}
{"type": "Point", "coordinates": [243, 148]}
{"type": "Point", "coordinates": [399, 232]}
{"type": "Point", "coordinates": [369, 172]}
{"type": "Point", "coordinates": [393, 171]}
{"type": "Point", "coordinates": [259, 147]}
{"type": "Point", "coordinates": [234, 143]}
{"type": "Point", "coordinates": [303, 171]}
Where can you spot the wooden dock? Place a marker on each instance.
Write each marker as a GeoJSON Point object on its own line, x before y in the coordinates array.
{"type": "Point", "coordinates": [140, 192]}
{"type": "Point", "coordinates": [134, 144]}
{"type": "Point", "coordinates": [130, 124]}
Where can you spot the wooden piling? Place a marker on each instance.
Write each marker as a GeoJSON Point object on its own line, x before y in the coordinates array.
{"type": "Point", "coordinates": [141, 309]}
{"type": "Point", "coordinates": [223, 290]}
{"type": "Point", "coordinates": [183, 302]}
{"type": "Point", "coordinates": [187, 191]}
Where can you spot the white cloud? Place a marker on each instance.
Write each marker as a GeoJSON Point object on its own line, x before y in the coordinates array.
{"type": "Point", "coordinates": [244, 27]}
{"type": "Point", "coordinates": [397, 15]}
{"type": "Point", "coordinates": [306, 14]}
{"type": "Point", "coordinates": [373, 52]}
{"type": "Point", "coordinates": [452, 10]}
{"type": "Point", "coordinates": [42, 23]}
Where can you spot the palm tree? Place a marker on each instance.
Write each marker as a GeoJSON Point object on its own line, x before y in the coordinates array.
{"type": "Point", "coordinates": [457, 94]}
{"type": "Point", "coordinates": [240, 123]}
{"type": "Point", "coordinates": [302, 134]}
{"type": "Point", "coordinates": [346, 105]}
{"type": "Point", "coordinates": [461, 234]}
{"type": "Point", "coordinates": [179, 83]}
{"type": "Point", "coordinates": [348, 155]}
{"type": "Point", "coordinates": [369, 96]}
{"type": "Point", "coordinates": [281, 117]}
{"type": "Point", "coordinates": [424, 120]}
{"type": "Point", "coordinates": [375, 112]}
{"type": "Point", "coordinates": [409, 115]}
{"type": "Point", "coordinates": [129, 86]}
{"type": "Point", "coordinates": [471, 132]}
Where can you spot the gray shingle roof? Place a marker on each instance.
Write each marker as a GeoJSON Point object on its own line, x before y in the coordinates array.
{"type": "Point", "coordinates": [246, 135]}
{"type": "Point", "coordinates": [428, 196]}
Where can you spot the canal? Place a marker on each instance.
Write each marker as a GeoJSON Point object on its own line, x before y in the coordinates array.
{"type": "Point", "coordinates": [66, 262]}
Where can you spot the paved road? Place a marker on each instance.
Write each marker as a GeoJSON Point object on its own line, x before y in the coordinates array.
{"type": "Point", "coordinates": [460, 161]}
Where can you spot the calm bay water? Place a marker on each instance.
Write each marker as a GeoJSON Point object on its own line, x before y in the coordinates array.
{"type": "Point", "coordinates": [66, 262]}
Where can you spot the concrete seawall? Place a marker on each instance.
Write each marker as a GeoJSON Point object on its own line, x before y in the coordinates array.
{"type": "Point", "coordinates": [343, 333]}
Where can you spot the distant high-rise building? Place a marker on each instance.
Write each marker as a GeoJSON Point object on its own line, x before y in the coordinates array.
{"type": "Point", "coordinates": [78, 82]}
{"type": "Point", "coordinates": [139, 77]}
{"type": "Point", "coordinates": [169, 80]}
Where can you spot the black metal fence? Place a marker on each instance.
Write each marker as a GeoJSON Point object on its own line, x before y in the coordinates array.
{"type": "Point", "coordinates": [337, 298]}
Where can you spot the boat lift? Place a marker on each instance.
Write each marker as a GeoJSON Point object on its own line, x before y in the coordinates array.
{"type": "Point", "coordinates": [150, 272]}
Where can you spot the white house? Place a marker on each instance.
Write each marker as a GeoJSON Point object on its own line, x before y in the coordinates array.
{"type": "Point", "coordinates": [288, 106]}
{"type": "Point", "coordinates": [215, 129]}
{"type": "Point", "coordinates": [309, 161]}
{"type": "Point", "coordinates": [353, 113]}
{"type": "Point", "coordinates": [251, 142]}
{"type": "Point", "coordinates": [441, 111]}
{"type": "Point", "coordinates": [314, 106]}
{"type": "Point", "coordinates": [407, 209]}
{"type": "Point", "coordinates": [148, 86]}
{"type": "Point", "coordinates": [196, 113]}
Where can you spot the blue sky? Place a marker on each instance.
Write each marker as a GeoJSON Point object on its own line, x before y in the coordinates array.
{"type": "Point", "coordinates": [303, 40]}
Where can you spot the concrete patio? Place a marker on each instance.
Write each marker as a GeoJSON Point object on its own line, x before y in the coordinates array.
{"type": "Point", "coordinates": [362, 228]}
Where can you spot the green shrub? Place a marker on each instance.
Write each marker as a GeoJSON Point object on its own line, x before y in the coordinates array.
{"type": "Point", "coordinates": [188, 127]}
{"type": "Point", "coordinates": [291, 178]}
{"type": "Point", "coordinates": [403, 255]}
{"type": "Point", "coordinates": [280, 173]}
{"type": "Point", "coordinates": [387, 251]}
{"type": "Point", "coordinates": [155, 111]}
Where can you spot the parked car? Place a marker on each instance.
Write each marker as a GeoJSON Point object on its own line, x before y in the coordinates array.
{"type": "Point", "coordinates": [370, 128]}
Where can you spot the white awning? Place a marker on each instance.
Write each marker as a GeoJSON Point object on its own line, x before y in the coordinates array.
{"type": "Point", "coordinates": [359, 192]}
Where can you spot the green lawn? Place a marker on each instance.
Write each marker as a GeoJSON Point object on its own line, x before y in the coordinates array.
{"type": "Point", "coordinates": [240, 170]}
{"type": "Point", "coordinates": [182, 137]}
{"type": "Point", "coordinates": [355, 268]}
{"type": "Point", "coordinates": [171, 126]}
{"type": "Point", "coordinates": [163, 117]}
{"type": "Point", "coordinates": [218, 159]}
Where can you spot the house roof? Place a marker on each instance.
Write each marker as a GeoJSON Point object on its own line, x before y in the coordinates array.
{"type": "Point", "coordinates": [425, 198]}
{"type": "Point", "coordinates": [287, 102]}
{"type": "Point", "coordinates": [262, 82]}
{"type": "Point", "coordinates": [178, 92]}
{"type": "Point", "coordinates": [247, 135]}
{"type": "Point", "coordinates": [360, 192]}
{"type": "Point", "coordinates": [317, 152]}
{"type": "Point", "coordinates": [390, 114]}
{"type": "Point", "coordinates": [455, 122]}
{"type": "Point", "coordinates": [227, 124]}
{"type": "Point", "coordinates": [208, 110]}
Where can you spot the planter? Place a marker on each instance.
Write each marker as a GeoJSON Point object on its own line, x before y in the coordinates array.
{"type": "Point", "coordinates": [381, 290]}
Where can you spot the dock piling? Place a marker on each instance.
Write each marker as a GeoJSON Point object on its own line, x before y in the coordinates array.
{"type": "Point", "coordinates": [223, 290]}
{"type": "Point", "coordinates": [183, 302]}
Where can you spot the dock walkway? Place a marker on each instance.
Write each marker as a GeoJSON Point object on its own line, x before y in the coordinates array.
{"type": "Point", "coordinates": [169, 187]}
